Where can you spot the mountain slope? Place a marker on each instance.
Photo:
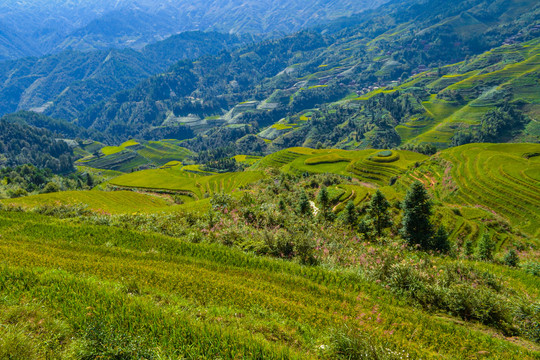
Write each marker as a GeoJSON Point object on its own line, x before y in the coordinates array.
{"type": "Point", "coordinates": [55, 26]}
{"type": "Point", "coordinates": [491, 97]}
{"type": "Point", "coordinates": [64, 84]}
{"type": "Point", "coordinates": [375, 49]}
{"type": "Point", "coordinates": [23, 144]}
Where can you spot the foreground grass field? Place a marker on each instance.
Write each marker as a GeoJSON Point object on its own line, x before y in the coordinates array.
{"type": "Point", "coordinates": [80, 291]}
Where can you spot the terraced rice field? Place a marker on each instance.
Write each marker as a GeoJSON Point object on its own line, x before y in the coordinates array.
{"type": "Point", "coordinates": [504, 72]}
{"type": "Point", "coordinates": [176, 180]}
{"type": "Point", "coordinates": [500, 178]}
{"type": "Point", "coordinates": [277, 160]}
{"type": "Point", "coordinates": [115, 202]}
{"type": "Point", "coordinates": [364, 165]}
{"type": "Point", "coordinates": [379, 170]}
{"type": "Point", "coordinates": [132, 155]}
{"type": "Point", "coordinates": [174, 299]}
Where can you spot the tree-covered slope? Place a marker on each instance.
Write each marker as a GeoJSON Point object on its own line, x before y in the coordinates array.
{"type": "Point", "coordinates": [493, 97]}
{"type": "Point", "coordinates": [65, 84]}
{"type": "Point", "coordinates": [264, 83]}
{"type": "Point", "coordinates": [23, 144]}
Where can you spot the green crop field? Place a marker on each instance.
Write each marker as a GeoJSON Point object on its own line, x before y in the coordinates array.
{"type": "Point", "coordinates": [114, 202]}
{"type": "Point", "coordinates": [177, 180]}
{"type": "Point", "coordinates": [133, 155]}
{"type": "Point", "coordinates": [500, 177]}
{"type": "Point", "coordinates": [487, 181]}
{"type": "Point", "coordinates": [365, 165]}
{"type": "Point", "coordinates": [66, 290]}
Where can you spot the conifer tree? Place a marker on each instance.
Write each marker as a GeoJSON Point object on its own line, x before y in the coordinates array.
{"type": "Point", "coordinates": [323, 199]}
{"type": "Point", "coordinates": [440, 240]}
{"type": "Point", "coordinates": [304, 207]}
{"type": "Point", "coordinates": [511, 258]}
{"type": "Point", "coordinates": [89, 180]}
{"type": "Point", "coordinates": [417, 210]}
{"type": "Point", "coordinates": [485, 248]}
{"type": "Point", "coordinates": [378, 213]}
{"type": "Point", "coordinates": [351, 215]}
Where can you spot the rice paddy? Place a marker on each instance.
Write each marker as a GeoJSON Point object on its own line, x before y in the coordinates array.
{"type": "Point", "coordinates": [109, 292]}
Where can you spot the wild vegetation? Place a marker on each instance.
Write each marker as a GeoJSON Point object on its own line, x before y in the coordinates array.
{"type": "Point", "coordinates": [345, 281]}
{"type": "Point", "coordinates": [366, 188]}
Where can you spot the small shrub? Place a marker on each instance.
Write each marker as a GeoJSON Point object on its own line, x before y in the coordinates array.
{"type": "Point", "coordinates": [468, 247]}
{"type": "Point", "coordinates": [305, 250]}
{"type": "Point", "coordinates": [221, 200]}
{"type": "Point", "coordinates": [485, 248]}
{"type": "Point", "coordinates": [356, 346]}
{"type": "Point", "coordinates": [532, 268]}
{"type": "Point", "coordinates": [51, 188]}
{"type": "Point", "coordinates": [177, 199]}
{"type": "Point", "coordinates": [511, 258]}
{"type": "Point", "coordinates": [17, 193]}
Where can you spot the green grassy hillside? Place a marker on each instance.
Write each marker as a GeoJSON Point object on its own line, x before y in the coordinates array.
{"type": "Point", "coordinates": [494, 182]}
{"type": "Point", "coordinates": [67, 292]}
{"type": "Point", "coordinates": [503, 179]}
{"type": "Point", "coordinates": [470, 89]}
{"type": "Point", "coordinates": [239, 272]}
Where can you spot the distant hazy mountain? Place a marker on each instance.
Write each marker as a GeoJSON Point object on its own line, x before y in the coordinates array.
{"type": "Point", "coordinates": [32, 27]}
{"type": "Point", "coordinates": [66, 83]}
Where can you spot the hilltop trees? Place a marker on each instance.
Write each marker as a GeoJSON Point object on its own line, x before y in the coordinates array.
{"type": "Point", "coordinates": [23, 144]}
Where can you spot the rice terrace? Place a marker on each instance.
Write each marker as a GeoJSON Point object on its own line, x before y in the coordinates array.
{"type": "Point", "coordinates": [272, 180]}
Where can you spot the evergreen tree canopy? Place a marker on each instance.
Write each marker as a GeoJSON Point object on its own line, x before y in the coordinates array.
{"type": "Point", "coordinates": [304, 207]}
{"type": "Point", "coordinates": [378, 212]}
{"type": "Point", "coordinates": [351, 215]}
{"type": "Point", "coordinates": [485, 248]}
{"type": "Point", "coordinates": [417, 209]}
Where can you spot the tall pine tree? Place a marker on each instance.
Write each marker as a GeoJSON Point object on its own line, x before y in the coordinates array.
{"type": "Point", "coordinates": [417, 210]}
{"type": "Point", "coordinates": [378, 213]}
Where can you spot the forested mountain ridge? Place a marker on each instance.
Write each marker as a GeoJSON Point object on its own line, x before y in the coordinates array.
{"type": "Point", "coordinates": [56, 25]}
{"type": "Point", "coordinates": [286, 77]}
{"type": "Point", "coordinates": [63, 85]}
{"type": "Point", "coordinates": [23, 144]}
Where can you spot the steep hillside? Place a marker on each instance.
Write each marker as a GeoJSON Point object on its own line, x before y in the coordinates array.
{"type": "Point", "coordinates": [492, 98]}
{"type": "Point", "coordinates": [283, 260]}
{"type": "Point", "coordinates": [131, 155]}
{"type": "Point", "coordinates": [62, 128]}
{"type": "Point", "coordinates": [65, 84]}
{"type": "Point", "coordinates": [290, 76]}
{"type": "Point", "coordinates": [23, 144]}
{"type": "Point", "coordinates": [205, 300]}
